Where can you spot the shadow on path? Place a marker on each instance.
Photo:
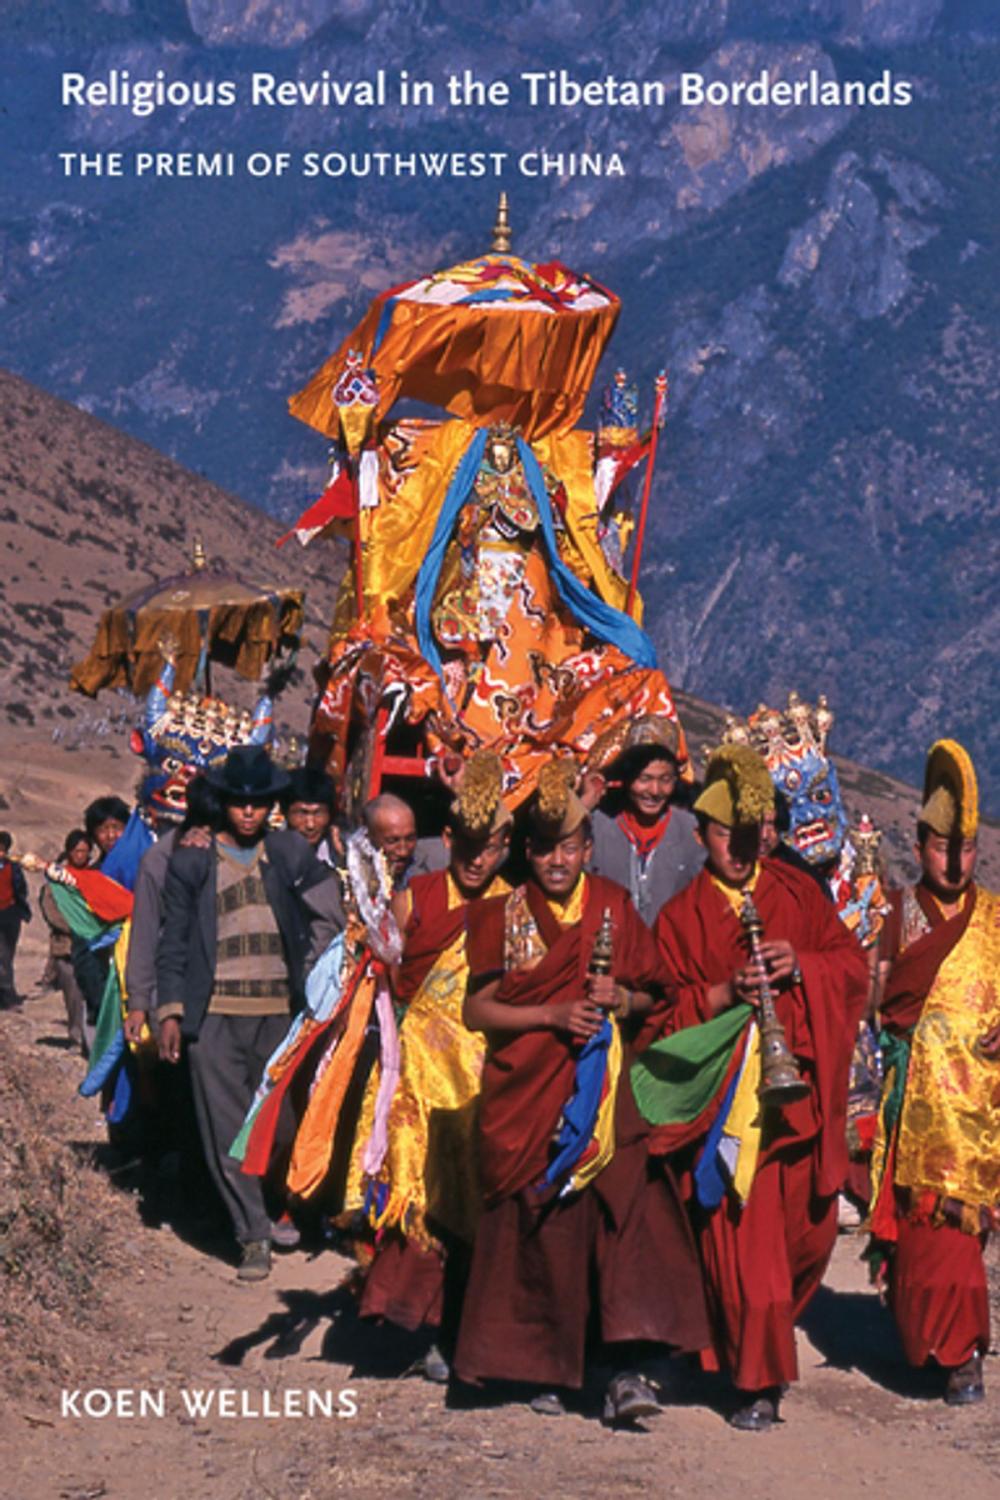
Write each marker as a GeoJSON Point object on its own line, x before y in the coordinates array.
{"type": "Point", "coordinates": [853, 1331]}
{"type": "Point", "coordinates": [378, 1351]}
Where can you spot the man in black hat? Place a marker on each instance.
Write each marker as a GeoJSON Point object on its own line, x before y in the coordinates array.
{"type": "Point", "coordinates": [243, 920]}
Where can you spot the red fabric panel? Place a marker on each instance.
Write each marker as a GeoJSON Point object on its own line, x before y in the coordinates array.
{"type": "Point", "coordinates": [431, 929]}
{"type": "Point", "coordinates": [106, 898]}
{"type": "Point", "coordinates": [527, 1078]}
{"type": "Point", "coordinates": [915, 970]}
{"type": "Point", "coordinates": [938, 1295]}
{"type": "Point", "coordinates": [763, 1265]}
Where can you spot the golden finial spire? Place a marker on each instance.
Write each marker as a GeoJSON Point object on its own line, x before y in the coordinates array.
{"type": "Point", "coordinates": [501, 229]}
{"type": "Point", "coordinates": [198, 558]}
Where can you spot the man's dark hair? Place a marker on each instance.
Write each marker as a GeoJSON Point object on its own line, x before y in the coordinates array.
{"type": "Point", "coordinates": [74, 837]}
{"type": "Point", "coordinates": [632, 762]}
{"type": "Point", "coordinates": [5, 839]}
{"type": "Point", "coordinates": [310, 785]}
{"type": "Point", "coordinates": [103, 808]}
{"type": "Point", "coordinates": [627, 767]}
{"type": "Point", "coordinates": [924, 831]}
{"type": "Point", "coordinates": [204, 805]}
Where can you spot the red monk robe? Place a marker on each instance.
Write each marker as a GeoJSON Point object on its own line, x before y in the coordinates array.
{"type": "Point", "coordinates": [765, 1261]}
{"type": "Point", "coordinates": [623, 1239]}
{"type": "Point", "coordinates": [937, 1280]}
{"type": "Point", "coordinates": [428, 1170]}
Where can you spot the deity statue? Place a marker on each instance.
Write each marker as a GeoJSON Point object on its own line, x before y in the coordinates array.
{"type": "Point", "coordinates": [488, 560]}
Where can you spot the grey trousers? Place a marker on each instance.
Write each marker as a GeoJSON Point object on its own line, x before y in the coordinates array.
{"type": "Point", "coordinates": [227, 1062]}
{"type": "Point", "coordinates": [76, 1005]}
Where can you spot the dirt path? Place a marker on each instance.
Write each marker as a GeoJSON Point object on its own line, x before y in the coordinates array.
{"type": "Point", "coordinates": [856, 1422]}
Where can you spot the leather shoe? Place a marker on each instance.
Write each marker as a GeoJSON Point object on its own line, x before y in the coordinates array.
{"type": "Point", "coordinates": [547, 1404]}
{"type": "Point", "coordinates": [628, 1398]}
{"type": "Point", "coordinates": [965, 1382]}
{"type": "Point", "coordinates": [255, 1262]}
{"type": "Point", "coordinates": [758, 1415]}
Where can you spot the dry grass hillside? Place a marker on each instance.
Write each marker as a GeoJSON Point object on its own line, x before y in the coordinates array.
{"type": "Point", "coordinates": [88, 515]}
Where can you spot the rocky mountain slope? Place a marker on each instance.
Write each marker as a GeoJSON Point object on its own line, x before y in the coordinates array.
{"type": "Point", "coordinates": [818, 281]}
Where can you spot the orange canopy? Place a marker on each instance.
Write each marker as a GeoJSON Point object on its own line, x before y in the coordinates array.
{"type": "Point", "coordinates": [494, 339]}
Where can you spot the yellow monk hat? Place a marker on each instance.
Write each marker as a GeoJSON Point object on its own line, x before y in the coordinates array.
{"type": "Point", "coordinates": [738, 787]}
{"type": "Point", "coordinates": [479, 809]}
{"type": "Point", "coordinates": [556, 810]}
{"type": "Point", "coordinates": [951, 792]}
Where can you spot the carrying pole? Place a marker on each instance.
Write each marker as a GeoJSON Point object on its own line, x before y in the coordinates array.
{"type": "Point", "coordinates": [359, 575]}
{"type": "Point", "coordinates": [659, 408]}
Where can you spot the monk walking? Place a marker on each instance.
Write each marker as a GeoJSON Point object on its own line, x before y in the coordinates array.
{"type": "Point", "coordinates": [578, 1223]}
{"type": "Point", "coordinates": [763, 1180]}
{"type": "Point", "coordinates": [936, 1165]}
{"type": "Point", "coordinates": [413, 1168]}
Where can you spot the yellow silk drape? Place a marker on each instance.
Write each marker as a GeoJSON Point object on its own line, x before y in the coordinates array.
{"type": "Point", "coordinates": [950, 1122]}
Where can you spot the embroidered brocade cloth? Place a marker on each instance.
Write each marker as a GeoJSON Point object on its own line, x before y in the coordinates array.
{"type": "Point", "coordinates": [949, 1129]}
{"type": "Point", "coordinates": [520, 672]}
{"type": "Point", "coordinates": [427, 1178]}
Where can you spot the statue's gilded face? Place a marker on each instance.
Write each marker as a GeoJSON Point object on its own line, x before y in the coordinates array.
{"type": "Point", "coordinates": [500, 452]}
{"type": "Point", "coordinates": [818, 821]}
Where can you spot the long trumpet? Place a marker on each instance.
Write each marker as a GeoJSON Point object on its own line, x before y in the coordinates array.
{"type": "Point", "coordinates": [780, 1079]}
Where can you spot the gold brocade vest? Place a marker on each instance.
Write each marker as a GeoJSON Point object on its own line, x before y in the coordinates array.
{"type": "Point", "coordinates": [949, 1129]}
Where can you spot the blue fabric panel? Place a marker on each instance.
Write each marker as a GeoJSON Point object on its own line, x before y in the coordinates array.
{"type": "Point", "coordinates": [122, 864]}
{"type": "Point", "coordinates": [580, 1114]}
{"type": "Point", "coordinates": [710, 1184]}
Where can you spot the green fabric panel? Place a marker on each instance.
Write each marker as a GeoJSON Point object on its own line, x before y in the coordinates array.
{"type": "Point", "coordinates": [677, 1077]}
{"type": "Point", "coordinates": [239, 1147]}
{"type": "Point", "coordinates": [77, 913]}
{"type": "Point", "coordinates": [109, 1017]}
{"type": "Point", "coordinates": [896, 1061]}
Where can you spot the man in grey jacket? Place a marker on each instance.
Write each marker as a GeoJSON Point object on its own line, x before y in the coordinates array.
{"type": "Point", "coordinates": [147, 903]}
{"type": "Point", "coordinates": [645, 841]}
{"type": "Point", "coordinates": [243, 922]}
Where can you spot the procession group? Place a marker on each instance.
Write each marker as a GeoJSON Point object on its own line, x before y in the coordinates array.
{"type": "Point", "coordinates": [526, 1067]}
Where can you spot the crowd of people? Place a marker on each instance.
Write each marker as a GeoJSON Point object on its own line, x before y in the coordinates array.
{"type": "Point", "coordinates": [529, 1068]}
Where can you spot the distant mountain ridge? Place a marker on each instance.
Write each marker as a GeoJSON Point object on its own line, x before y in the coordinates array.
{"type": "Point", "coordinates": [819, 284]}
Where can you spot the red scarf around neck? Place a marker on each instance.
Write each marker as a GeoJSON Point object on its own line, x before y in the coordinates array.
{"type": "Point", "coordinates": [642, 838]}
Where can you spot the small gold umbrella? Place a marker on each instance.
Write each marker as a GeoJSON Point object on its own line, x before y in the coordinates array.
{"type": "Point", "coordinates": [211, 615]}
